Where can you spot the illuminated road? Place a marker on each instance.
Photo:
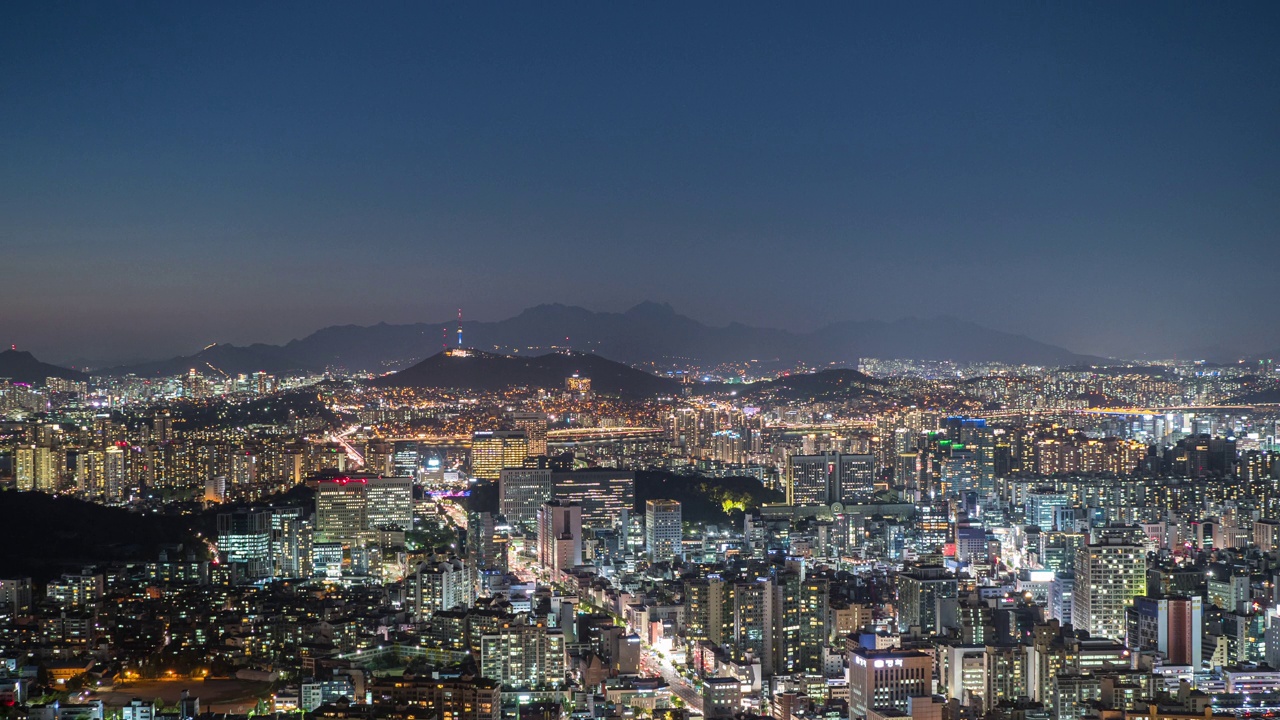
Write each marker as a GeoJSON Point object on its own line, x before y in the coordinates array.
{"type": "Point", "coordinates": [597, 433]}
{"type": "Point", "coordinates": [351, 452]}
{"type": "Point", "coordinates": [651, 665]}
{"type": "Point", "coordinates": [521, 567]}
{"type": "Point", "coordinates": [455, 512]}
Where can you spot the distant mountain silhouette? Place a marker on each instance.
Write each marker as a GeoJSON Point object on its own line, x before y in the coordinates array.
{"type": "Point", "coordinates": [229, 359]}
{"type": "Point", "coordinates": [1216, 353]}
{"type": "Point", "coordinates": [22, 366]}
{"type": "Point", "coordinates": [482, 371]}
{"type": "Point", "coordinates": [649, 333]}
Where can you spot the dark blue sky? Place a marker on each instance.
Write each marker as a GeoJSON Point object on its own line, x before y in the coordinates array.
{"type": "Point", "coordinates": [1103, 176]}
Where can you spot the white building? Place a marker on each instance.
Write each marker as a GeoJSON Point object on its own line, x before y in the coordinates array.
{"type": "Point", "coordinates": [662, 530]}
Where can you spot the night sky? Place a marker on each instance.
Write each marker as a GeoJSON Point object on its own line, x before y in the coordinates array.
{"type": "Point", "coordinates": [1103, 176]}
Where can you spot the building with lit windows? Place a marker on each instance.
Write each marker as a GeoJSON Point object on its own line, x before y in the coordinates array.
{"type": "Point", "coordinates": [341, 510]}
{"type": "Point", "coordinates": [389, 502]}
{"type": "Point", "coordinates": [886, 678]}
{"type": "Point", "coordinates": [559, 536]}
{"type": "Point", "coordinates": [1172, 626]}
{"type": "Point", "coordinates": [348, 508]}
{"type": "Point", "coordinates": [918, 593]}
{"type": "Point", "coordinates": [440, 586]}
{"type": "Point", "coordinates": [440, 697]}
{"type": "Point", "coordinates": [524, 657]}
{"type": "Point", "coordinates": [606, 495]}
{"type": "Point", "coordinates": [828, 478]}
{"type": "Point", "coordinates": [493, 450]}
{"type": "Point", "coordinates": [662, 530]}
{"type": "Point", "coordinates": [244, 537]}
{"type": "Point", "coordinates": [521, 491]}
{"type": "Point", "coordinates": [1110, 573]}
{"type": "Point", "coordinates": [534, 426]}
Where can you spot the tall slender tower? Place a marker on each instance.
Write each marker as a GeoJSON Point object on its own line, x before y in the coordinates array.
{"type": "Point", "coordinates": [459, 327]}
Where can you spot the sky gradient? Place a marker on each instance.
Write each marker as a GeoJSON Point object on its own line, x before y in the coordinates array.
{"type": "Point", "coordinates": [1104, 176]}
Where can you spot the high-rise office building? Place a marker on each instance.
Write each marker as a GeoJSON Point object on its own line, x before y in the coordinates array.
{"type": "Point", "coordinates": [887, 678]}
{"type": "Point", "coordinates": [1042, 508]}
{"type": "Point", "coordinates": [918, 593]}
{"type": "Point", "coordinates": [855, 478]}
{"type": "Point", "coordinates": [341, 509]}
{"type": "Point", "coordinates": [389, 502]}
{"type": "Point", "coordinates": [559, 536]}
{"type": "Point", "coordinates": [606, 495]}
{"type": "Point", "coordinates": [493, 450]}
{"type": "Point", "coordinates": [808, 479]}
{"type": "Point", "coordinates": [801, 610]}
{"type": "Point", "coordinates": [662, 530]}
{"type": "Point", "coordinates": [1110, 573]}
{"type": "Point", "coordinates": [487, 542]}
{"type": "Point", "coordinates": [829, 478]}
{"type": "Point", "coordinates": [521, 491]}
{"type": "Point", "coordinates": [244, 537]}
{"type": "Point", "coordinates": [534, 426]}
{"type": "Point", "coordinates": [406, 459]}
{"type": "Point", "coordinates": [353, 507]}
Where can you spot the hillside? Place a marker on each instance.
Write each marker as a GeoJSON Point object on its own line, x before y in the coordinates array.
{"type": "Point", "coordinates": [490, 372]}
{"type": "Point", "coordinates": [704, 500]}
{"type": "Point", "coordinates": [47, 535]}
{"type": "Point", "coordinates": [21, 366]}
{"type": "Point", "coordinates": [838, 384]}
{"type": "Point", "coordinates": [229, 359]}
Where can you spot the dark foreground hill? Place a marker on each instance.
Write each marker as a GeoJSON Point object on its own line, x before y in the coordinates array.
{"type": "Point", "coordinates": [703, 499]}
{"type": "Point", "coordinates": [838, 384]}
{"type": "Point", "coordinates": [489, 372]}
{"type": "Point", "coordinates": [45, 535]}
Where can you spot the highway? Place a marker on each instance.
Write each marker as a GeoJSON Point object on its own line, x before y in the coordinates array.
{"type": "Point", "coordinates": [351, 452]}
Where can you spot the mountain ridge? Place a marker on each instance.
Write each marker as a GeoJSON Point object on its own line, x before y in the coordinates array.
{"type": "Point", "coordinates": [21, 366]}
{"type": "Point", "coordinates": [648, 333]}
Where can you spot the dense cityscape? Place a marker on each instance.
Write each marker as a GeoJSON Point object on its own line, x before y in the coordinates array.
{"type": "Point", "coordinates": [915, 538]}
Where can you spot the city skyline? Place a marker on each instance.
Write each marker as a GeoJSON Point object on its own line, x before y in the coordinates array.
{"type": "Point", "coordinates": [1099, 177]}
{"type": "Point", "coordinates": [593, 361]}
